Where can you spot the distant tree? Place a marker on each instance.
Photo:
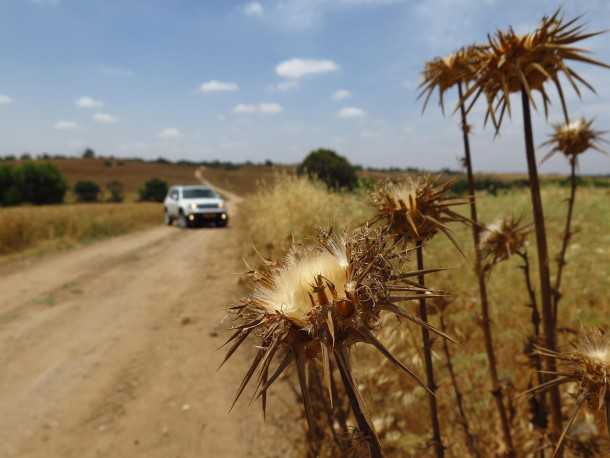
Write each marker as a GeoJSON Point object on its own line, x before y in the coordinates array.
{"type": "Point", "coordinates": [88, 154]}
{"type": "Point", "coordinates": [268, 163]}
{"type": "Point", "coordinates": [329, 167]}
{"type": "Point", "coordinates": [26, 157]}
{"type": "Point", "coordinates": [86, 191]}
{"type": "Point", "coordinates": [115, 188]}
{"type": "Point", "coordinates": [154, 190]}
{"type": "Point", "coordinates": [39, 183]}
{"type": "Point", "coordinates": [8, 191]}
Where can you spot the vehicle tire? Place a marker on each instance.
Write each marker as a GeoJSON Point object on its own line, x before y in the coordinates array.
{"type": "Point", "coordinates": [167, 219]}
{"type": "Point", "coordinates": [182, 221]}
{"type": "Point", "coordinates": [224, 223]}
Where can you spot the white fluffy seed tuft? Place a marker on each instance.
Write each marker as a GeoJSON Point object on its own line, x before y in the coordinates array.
{"type": "Point", "coordinates": [292, 285]}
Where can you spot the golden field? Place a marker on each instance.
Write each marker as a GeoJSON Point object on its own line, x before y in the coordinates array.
{"type": "Point", "coordinates": [30, 228]}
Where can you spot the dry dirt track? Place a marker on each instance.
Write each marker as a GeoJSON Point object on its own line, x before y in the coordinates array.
{"type": "Point", "coordinates": [110, 351]}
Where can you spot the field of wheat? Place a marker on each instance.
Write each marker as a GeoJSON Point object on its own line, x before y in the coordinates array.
{"type": "Point", "coordinates": [43, 228]}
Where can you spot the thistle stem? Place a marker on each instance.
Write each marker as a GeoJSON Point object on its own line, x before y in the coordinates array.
{"type": "Point", "coordinates": [531, 292]}
{"type": "Point", "coordinates": [350, 389]}
{"type": "Point", "coordinates": [567, 236]}
{"type": "Point", "coordinates": [423, 315]}
{"type": "Point", "coordinates": [323, 399]}
{"type": "Point", "coordinates": [312, 430]}
{"type": "Point", "coordinates": [459, 397]}
{"type": "Point", "coordinates": [608, 413]}
{"type": "Point", "coordinates": [543, 259]}
{"type": "Point", "coordinates": [539, 409]}
{"type": "Point", "coordinates": [485, 321]}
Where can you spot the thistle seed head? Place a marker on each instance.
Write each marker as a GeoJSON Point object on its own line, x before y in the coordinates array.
{"type": "Point", "coordinates": [416, 209]}
{"type": "Point", "coordinates": [322, 298]}
{"type": "Point", "coordinates": [574, 139]}
{"type": "Point", "coordinates": [502, 239]}
{"type": "Point", "coordinates": [512, 62]}
{"type": "Point", "coordinates": [445, 72]}
{"type": "Point", "coordinates": [588, 365]}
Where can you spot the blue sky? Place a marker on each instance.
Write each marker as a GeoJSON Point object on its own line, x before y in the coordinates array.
{"type": "Point", "coordinates": [242, 80]}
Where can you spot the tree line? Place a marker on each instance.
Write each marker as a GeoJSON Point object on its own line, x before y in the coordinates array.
{"type": "Point", "coordinates": [42, 183]}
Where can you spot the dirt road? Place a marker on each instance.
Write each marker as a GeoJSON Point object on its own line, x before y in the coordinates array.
{"type": "Point", "coordinates": [110, 351]}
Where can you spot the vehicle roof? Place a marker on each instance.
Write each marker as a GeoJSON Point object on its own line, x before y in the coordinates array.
{"type": "Point", "coordinates": [193, 186]}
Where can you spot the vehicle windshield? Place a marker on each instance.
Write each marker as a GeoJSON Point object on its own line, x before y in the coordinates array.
{"type": "Point", "coordinates": [198, 193]}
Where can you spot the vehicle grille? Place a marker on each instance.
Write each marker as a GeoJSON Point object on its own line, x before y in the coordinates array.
{"type": "Point", "coordinates": [207, 206]}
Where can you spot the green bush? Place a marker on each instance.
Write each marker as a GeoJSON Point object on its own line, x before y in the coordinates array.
{"type": "Point", "coordinates": [115, 189]}
{"type": "Point", "coordinates": [86, 191]}
{"type": "Point", "coordinates": [329, 167]}
{"type": "Point", "coordinates": [154, 190]}
{"type": "Point", "coordinates": [8, 191]}
{"type": "Point", "coordinates": [37, 183]}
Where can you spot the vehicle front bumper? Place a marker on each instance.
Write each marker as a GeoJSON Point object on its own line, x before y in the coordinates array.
{"type": "Point", "coordinates": [212, 215]}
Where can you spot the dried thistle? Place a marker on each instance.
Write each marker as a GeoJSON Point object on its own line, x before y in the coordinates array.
{"type": "Point", "coordinates": [415, 210]}
{"type": "Point", "coordinates": [513, 62]}
{"type": "Point", "coordinates": [445, 72]}
{"type": "Point", "coordinates": [588, 366]}
{"type": "Point", "coordinates": [313, 305]}
{"type": "Point", "coordinates": [573, 139]}
{"type": "Point", "coordinates": [501, 239]}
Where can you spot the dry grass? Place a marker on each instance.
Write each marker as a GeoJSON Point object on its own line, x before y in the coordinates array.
{"type": "Point", "coordinates": [24, 229]}
{"type": "Point", "coordinates": [297, 207]}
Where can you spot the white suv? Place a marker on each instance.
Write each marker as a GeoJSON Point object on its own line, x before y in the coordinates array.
{"type": "Point", "coordinates": [190, 205]}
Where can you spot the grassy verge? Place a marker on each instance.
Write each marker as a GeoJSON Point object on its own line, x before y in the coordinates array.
{"type": "Point", "coordinates": [295, 207]}
{"type": "Point", "coordinates": [25, 229]}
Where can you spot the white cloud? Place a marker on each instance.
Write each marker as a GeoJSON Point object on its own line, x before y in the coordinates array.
{"type": "Point", "coordinates": [170, 133]}
{"type": "Point", "coordinates": [244, 108]}
{"type": "Point", "coordinates": [253, 9]}
{"type": "Point", "coordinates": [218, 86]}
{"type": "Point", "coordinates": [89, 102]}
{"type": "Point", "coordinates": [351, 112]}
{"type": "Point", "coordinates": [285, 86]}
{"type": "Point", "coordinates": [65, 125]}
{"type": "Point", "coordinates": [261, 108]}
{"type": "Point", "coordinates": [105, 118]}
{"type": "Point", "coordinates": [270, 108]}
{"type": "Point", "coordinates": [342, 94]}
{"type": "Point", "coordinates": [5, 100]}
{"type": "Point", "coordinates": [298, 68]}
